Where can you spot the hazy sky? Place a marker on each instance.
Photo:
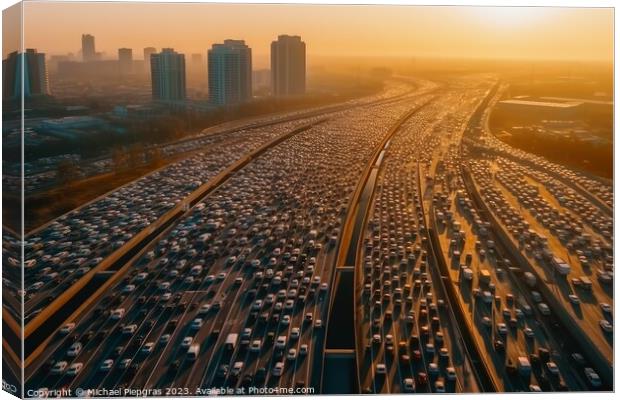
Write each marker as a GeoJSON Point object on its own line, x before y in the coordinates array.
{"type": "Point", "coordinates": [564, 33]}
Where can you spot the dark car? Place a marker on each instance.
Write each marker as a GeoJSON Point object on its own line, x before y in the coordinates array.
{"type": "Point", "coordinates": [222, 371]}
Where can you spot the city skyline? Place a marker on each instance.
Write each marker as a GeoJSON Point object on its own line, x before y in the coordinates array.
{"type": "Point", "coordinates": [469, 32]}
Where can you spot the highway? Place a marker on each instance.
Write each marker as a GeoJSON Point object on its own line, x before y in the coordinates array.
{"type": "Point", "coordinates": [393, 240]}
{"type": "Point", "coordinates": [234, 220]}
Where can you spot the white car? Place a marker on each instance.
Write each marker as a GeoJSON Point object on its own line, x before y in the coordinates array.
{"type": "Point", "coordinates": [148, 348]}
{"type": "Point", "coordinates": [67, 328]}
{"type": "Point", "coordinates": [606, 326]}
{"type": "Point", "coordinates": [187, 341]}
{"type": "Point", "coordinates": [75, 349]}
{"type": "Point", "coordinates": [74, 369]}
{"type": "Point", "coordinates": [196, 324]}
{"type": "Point", "coordinates": [106, 365]}
{"type": "Point", "coordinates": [117, 314]}
{"type": "Point", "coordinates": [408, 385]}
{"type": "Point", "coordinates": [544, 309]}
{"type": "Point", "coordinates": [59, 368]}
{"type": "Point", "coordinates": [381, 369]}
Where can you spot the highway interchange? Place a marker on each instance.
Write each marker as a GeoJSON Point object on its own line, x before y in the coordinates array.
{"type": "Point", "coordinates": [218, 270]}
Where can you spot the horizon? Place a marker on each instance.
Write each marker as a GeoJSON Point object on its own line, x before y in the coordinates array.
{"type": "Point", "coordinates": [456, 33]}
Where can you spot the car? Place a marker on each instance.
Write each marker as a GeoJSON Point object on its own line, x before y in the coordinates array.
{"type": "Point", "coordinates": [440, 387]}
{"type": "Point", "coordinates": [381, 369]}
{"type": "Point", "coordinates": [67, 328]}
{"type": "Point", "coordinates": [295, 333]}
{"type": "Point", "coordinates": [129, 329]}
{"type": "Point", "coordinates": [303, 350]}
{"type": "Point", "coordinates": [553, 368]}
{"type": "Point", "coordinates": [433, 369]}
{"type": "Point", "coordinates": [222, 371]}
{"type": "Point", "coordinates": [125, 363]}
{"type": "Point", "coordinates": [148, 348]}
{"type": "Point", "coordinates": [578, 359]}
{"type": "Point", "coordinates": [196, 324]}
{"type": "Point", "coordinates": [502, 329]}
{"type": "Point", "coordinates": [74, 369]}
{"type": "Point", "coordinates": [117, 314]}
{"type": "Point", "coordinates": [278, 369]}
{"type": "Point", "coordinates": [535, 388]}
{"type": "Point", "coordinates": [593, 378]}
{"type": "Point", "coordinates": [281, 342]}
{"type": "Point", "coordinates": [292, 354]}
{"type": "Point", "coordinates": [528, 332]}
{"type": "Point", "coordinates": [499, 346]}
{"type": "Point", "coordinates": [59, 368]}
{"type": "Point", "coordinates": [75, 349]}
{"type": "Point", "coordinates": [544, 309]}
{"type": "Point", "coordinates": [606, 326]}
{"type": "Point", "coordinates": [606, 308]}
{"type": "Point", "coordinates": [236, 369]}
{"type": "Point", "coordinates": [204, 309]}
{"type": "Point", "coordinates": [574, 299]}
{"type": "Point", "coordinates": [106, 365]}
{"type": "Point", "coordinates": [187, 341]}
{"type": "Point", "coordinates": [444, 353]}
{"type": "Point", "coordinates": [450, 374]}
{"type": "Point", "coordinates": [165, 338]}
{"type": "Point", "coordinates": [408, 385]}
{"type": "Point", "coordinates": [255, 346]}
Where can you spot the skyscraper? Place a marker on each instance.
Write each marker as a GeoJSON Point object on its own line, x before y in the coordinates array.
{"type": "Point", "coordinates": [88, 48]}
{"type": "Point", "coordinates": [147, 57]}
{"type": "Point", "coordinates": [230, 72]}
{"type": "Point", "coordinates": [288, 66]}
{"type": "Point", "coordinates": [35, 73]}
{"type": "Point", "coordinates": [168, 76]}
{"type": "Point", "coordinates": [125, 60]}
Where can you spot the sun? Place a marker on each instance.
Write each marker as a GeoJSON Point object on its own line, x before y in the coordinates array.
{"type": "Point", "coordinates": [509, 16]}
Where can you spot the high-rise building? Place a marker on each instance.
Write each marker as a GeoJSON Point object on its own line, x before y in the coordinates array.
{"type": "Point", "coordinates": [125, 60]}
{"type": "Point", "coordinates": [288, 66]}
{"type": "Point", "coordinates": [35, 82]}
{"type": "Point", "coordinates": [88, 48]}
{"type": "Point", "coordinates": [147, 57]}
{"type": "Point", "coordinates": [230, 72]}
{"type": "Point", "coordinates": [168, 76]}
